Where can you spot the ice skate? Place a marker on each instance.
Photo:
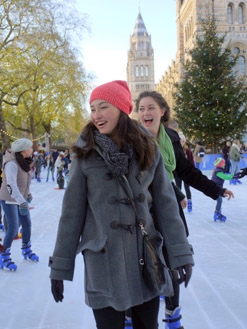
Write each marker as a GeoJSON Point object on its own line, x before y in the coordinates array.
{"type": "Point", "coordinates": [189, 205]}
{"type": "Point", "coordinates": [219, 216]}
{"type": "Point", "coordinates": [172, 319]}
{"type": "Point", "coordinates": [6, 261]}
{"type": "Point", "coordinates": [28, 254]}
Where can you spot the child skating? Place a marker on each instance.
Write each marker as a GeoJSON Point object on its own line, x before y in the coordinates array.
{"type": "Point", "coordinates": [219, 176]}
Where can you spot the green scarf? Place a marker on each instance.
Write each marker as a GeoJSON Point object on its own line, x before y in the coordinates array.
{"type": "Point", "coordinates": [167, 151]}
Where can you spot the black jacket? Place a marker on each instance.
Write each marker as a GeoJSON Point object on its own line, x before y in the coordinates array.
{"type": "Point", "coordinates": [190, 174]}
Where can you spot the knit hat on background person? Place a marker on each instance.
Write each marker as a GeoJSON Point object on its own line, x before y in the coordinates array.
{"type": "Point", "coordinates": [21, 144]}
{"type": "Point", "coordinates": [115, 92]}
{"type": "Point", "coordinates": [219, 162]}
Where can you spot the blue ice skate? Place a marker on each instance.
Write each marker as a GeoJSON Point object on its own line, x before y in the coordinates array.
{"type": "Point", "coordinates": [189, 205]}
{"type": "Point", "coordinates": [28, 254]}
{"type": "Point", "coordinates": [128, 323]}
{"type": "Point", "coordinates": [219, 216]}
{"type": "Point", "coordinates": [172, 319]}
{"type": "Point", "coordinates": [6, 261]}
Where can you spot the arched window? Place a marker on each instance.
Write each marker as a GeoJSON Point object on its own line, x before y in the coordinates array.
{"type": "Point", "coordinates": [142, 73]}
{"type": "Point", "coordinates": [241, 65]}
{"type": "Point", "coordinates": [137, 71]}
{"type": "Point", "coordinates": [241, 14]}
{"type": "Point", "coordinates": [230, 14]}
{"type": "Point", "coordinates": [146, 71]}
{"type": "Point", "coordinates": [236, 50]}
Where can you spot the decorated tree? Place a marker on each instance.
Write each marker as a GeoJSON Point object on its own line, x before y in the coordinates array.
{"type": "Point", "coordinates": [211, 99]}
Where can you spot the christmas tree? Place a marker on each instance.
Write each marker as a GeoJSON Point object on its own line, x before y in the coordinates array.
{"type": "Point", "coordinates": [211, 99]}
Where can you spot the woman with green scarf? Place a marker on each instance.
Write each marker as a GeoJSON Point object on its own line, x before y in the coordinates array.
{"type": "Point", "coordinates": [153, 113]}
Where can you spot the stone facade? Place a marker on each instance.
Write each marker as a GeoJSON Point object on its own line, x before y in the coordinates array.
{"type": "Point", "coordinates": [231, 18]}
{"type": "Point", "coordinates": [140, 66]}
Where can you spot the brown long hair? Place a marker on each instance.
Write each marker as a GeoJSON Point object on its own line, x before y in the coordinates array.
{"type": "Point", "coordinates": [127, 132]}
{"type": "Point", "coordinates": [159, 99]}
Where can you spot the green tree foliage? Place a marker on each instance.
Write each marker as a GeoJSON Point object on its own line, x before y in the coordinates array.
{"type": "Point", "coordinates": [42, 80]}
{"type": "Point", "coordinates": [211, 99]}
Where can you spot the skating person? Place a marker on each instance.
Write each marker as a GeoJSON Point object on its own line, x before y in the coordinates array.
{"type": "Point", "coordinates": [189, 155]}
{"type": "Point", "coordinates": [219, 176]}
{"type": "Point", "coordinates": [235, 157]}
{"type": "Point", "coordinates": [15, 196]}
{"type": "Point", "coordinates": [38, 165]}
{"type": "Point", "coordinates": [225, 152]}
{"type": "Point", "coordinates": [153, 114]}
{"type": "Point", "coordinates": [114, 152]}
{"type": "Point", "coordinates": [50, 167]}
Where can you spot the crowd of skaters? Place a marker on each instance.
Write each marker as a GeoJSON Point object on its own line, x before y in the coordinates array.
{"type": "Point", "coordinates": [53, 163]}
{"type": "Point", "coordinates": [59, 162]}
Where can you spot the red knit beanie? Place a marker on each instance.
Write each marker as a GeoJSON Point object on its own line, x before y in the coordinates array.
{"type": "Point", "coordinates": [115, 92]}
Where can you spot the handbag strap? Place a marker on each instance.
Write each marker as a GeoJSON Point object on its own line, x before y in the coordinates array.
{"type": "Point", "coordinates": [123, 181]}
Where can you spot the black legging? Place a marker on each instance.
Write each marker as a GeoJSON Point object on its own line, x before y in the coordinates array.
{"type": "Point", "coordinates": [186, 186]}
{"type": "Point", "coordinates": [144, 316]}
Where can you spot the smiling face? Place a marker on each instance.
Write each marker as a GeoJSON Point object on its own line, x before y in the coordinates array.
{"type": "Point", "coordinates": [149, 115]}
{"type": "Point", "coordinates": [104, 116]}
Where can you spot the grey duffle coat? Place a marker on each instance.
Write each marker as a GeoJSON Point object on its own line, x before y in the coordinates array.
{"type": "Point", "coordinates": [93, 206]}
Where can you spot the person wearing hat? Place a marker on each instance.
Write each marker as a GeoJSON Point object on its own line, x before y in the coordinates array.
{"type": "Point", "coordinates": [154, 114]}
{"type": "Point", "coordinates": [114, 154]}
{"type": "Point", "coordinates": [219, 176]}
{"type": "Point", "coordinates": [15, 196]}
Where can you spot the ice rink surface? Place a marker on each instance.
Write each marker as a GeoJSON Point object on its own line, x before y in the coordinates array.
{"type": "Point", "coordinates": [216, 297]}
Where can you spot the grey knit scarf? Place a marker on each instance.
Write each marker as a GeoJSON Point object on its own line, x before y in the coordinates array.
{"type": "Point", "coordinates": [117, 161]}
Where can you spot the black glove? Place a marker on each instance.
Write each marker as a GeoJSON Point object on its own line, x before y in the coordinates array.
{"type": "Point", "coordinates": [57, 290]}
{"type": "Point", "coordinates": [242, 173]}
{"type": "Point", "coordinates": [237, 175]}
{"type": "Point", "coordinates": [184, 274]}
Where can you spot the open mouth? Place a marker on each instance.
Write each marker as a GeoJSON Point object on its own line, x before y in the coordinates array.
{"type": "Point", "coordinates": [148, 121]}
{"type": "Point", "coordinates": [101, 124]}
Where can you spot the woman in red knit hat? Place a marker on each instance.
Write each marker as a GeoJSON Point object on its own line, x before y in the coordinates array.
{"type": "Point", "coordinates": [117, 167]}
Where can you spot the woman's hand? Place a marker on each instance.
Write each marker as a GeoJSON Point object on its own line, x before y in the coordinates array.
{"type": "Point", "coordinates": [183, 203]}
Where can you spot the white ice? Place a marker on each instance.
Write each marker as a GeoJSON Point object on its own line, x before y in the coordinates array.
{"type": "Point", "coordinates": [216, 297]}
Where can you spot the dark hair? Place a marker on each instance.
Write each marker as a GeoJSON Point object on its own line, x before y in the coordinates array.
{"type": "Point", "coordinates": [159, 99]}
{"type": "Point", "coordinates": [127, 132]}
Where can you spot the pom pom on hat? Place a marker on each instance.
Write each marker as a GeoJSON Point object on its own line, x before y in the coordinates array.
{"type": "Point", "coordinates": [115, 92]}
{"type": "Point", "coordinates": [21, 144]}
{"type": "Point", "coordinates": [219, 162]}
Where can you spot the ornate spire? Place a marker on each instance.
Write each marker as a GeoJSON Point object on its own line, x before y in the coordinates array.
{"type": "Point", "coordinates": [140, 28]}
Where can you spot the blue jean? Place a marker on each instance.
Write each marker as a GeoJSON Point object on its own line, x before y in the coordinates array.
{"type": "Point", "coordinates": [218, 204]}
{"type": "Point", "coordinates": [234, 167]}
{"type": "Point", "coordinates": [197, 165]}
{"type": "Point", "coordinates": [13, 218]}
{"type": "Point", "coordinates": [50, 169]}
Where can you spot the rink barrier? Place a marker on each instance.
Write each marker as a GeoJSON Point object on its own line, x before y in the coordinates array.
{"type": "Point", "coordinates": [208, 161]}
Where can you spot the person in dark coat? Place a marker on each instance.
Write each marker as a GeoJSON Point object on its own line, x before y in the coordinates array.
{"type": "Point", "coordinates": [189, 155]}
{"type": "Point", "coordinates": [153, 114]}
{"type": "Point", "coordinates": [98, 219]}
{"type": "Point", "coordinates": [225, 152]}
